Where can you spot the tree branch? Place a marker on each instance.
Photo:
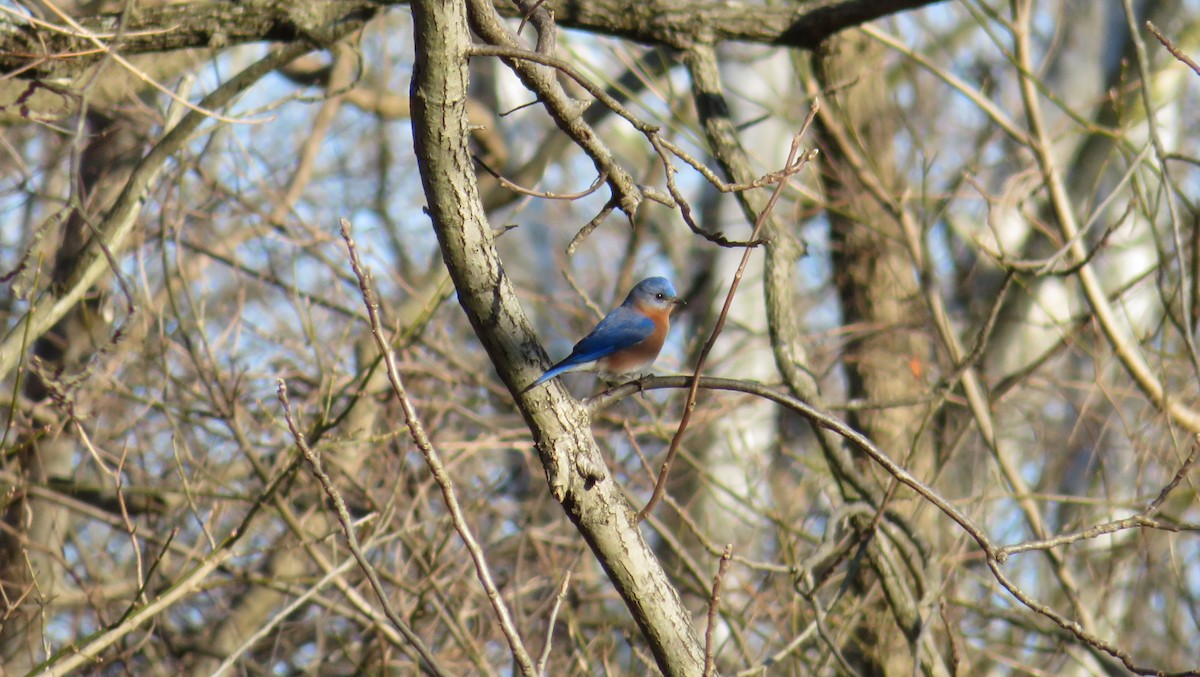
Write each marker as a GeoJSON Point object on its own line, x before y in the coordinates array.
{"type": "Point", "coordinates": [574, 468]}
{"type": "Point", "coordinates": [41, 50]}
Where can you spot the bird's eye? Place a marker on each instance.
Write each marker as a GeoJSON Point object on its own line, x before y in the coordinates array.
{"type": "Point", "coordinates": [659, 296]}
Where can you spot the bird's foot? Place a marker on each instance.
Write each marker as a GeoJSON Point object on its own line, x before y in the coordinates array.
{"type": "Point", "coordinates": [640, 380]}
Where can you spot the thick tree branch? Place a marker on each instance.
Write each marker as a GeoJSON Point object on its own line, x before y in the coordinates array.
{"type": "Point", "coordinates": [213, 25]}
{"type": "Point", "coordinates": [576, 472]}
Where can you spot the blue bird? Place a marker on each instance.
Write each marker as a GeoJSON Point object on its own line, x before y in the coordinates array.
{"type": "Point", "coordinates": [629, 338]}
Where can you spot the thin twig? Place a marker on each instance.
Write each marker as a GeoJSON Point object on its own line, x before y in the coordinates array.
{"type": "Point", "coordinates": [816, 417]}
{"type": "Point", "coordinates": [1175, 51]}
{"type": "Point", "coordinates": [685, 208]}
{"type": "Point", "coordinates": [714, 603]}
{"type": "Point", "coordinates": [1186, 282]}
{"type": "Point", "coordinates": [343, 518]}
{"type": "Point", "coordinates": [433, 460]}
{"type": "Point", "coordinates": [951, 634]}
{"type": "Point", "coordinates": [1047, 267]}
{"type": "Point", "coordinates": [71, 658]}
{"type": "Point", "coordinates": [527, 14]}
{"type": "Point", "coordinates": [1142, 520]}
{"type": "Point", "coordinates": [725, 187]}
{"type": "Point", "coordinates": [1078, 630]}
{"type": "Point", "coordinates": [794, 157]}
{"type": "Point", "coordinates": [590, 226]}
{"type": "Point", "coordinates": [1179, 475]}
{"type": "Point", "coordinates": [567, 111]}
{"type": "Point", "coordinates": [600, 179]}
{"type": "Point", "coordinates": [570, 71]}
{"type": "Point", "coordinates": [662, 146]}
{"type": "Point", "coordinates": [558, 600]}
{"type": "Point", "coordinates": [120, 218]}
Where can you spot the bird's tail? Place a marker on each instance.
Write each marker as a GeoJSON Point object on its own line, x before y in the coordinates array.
{"type": "Point", "coordinates": [560, 368]}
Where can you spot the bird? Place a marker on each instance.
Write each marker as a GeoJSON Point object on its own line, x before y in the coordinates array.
{"type": "Point", "coordinates": [629, 338]}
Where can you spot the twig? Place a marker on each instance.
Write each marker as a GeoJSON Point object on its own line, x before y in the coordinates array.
{"type": "Point", "coordinates": [1186, 282]}
{"type": "Point", "coordinates": [685, 209]}
{"type": "Point", "coordinates": [1078, 630]}
{"type": "Point", "coordinates": [822, 628]}
{"type": "Point", "coordinates": [600, 179]}
{"type": "Point", "coordinates": [724, 186]}
{"type": "Point", "coordinates": [994, 111]}
{"type": "Point", "coordinates": [1140, 521]}
{"type": "Point", "coordinates": [1175, 52]}
{"type": "Point", "coordinates": [527, 14]}
{"type": "Point", "coordinates": [1179, 475]}
{"type": "Point", "coordinates": [951, 635]}
{"type": "Point", "coordinates": [1046, 267]}
{"type": "Point", "coordinates": [566, 111]}
{"type": "Point", "coordinates": [815, 416]}
{"type": "Point", "coordinates": [543, 21]}
{"type": "Point", "coordinates": [520, 54]}
{"type": "Point", "coordinates": [558, 600]}
{"type": "Point", "coordinates": [72, 657]}
{"type": "Point", "coordinates": [590, 226]}
{"type": "Point", "coordinates": [661, 145]}
{"type": "Point", "coordinates": [794, 157]}
{"type": "Point", "coordinates": [714, 603]}
{"type": "Point", "coordinates": [1143, 520]}
{"type": "Point", "coordinates": [343, 518]}
{"type": "Point", "coordinates": [433, 460]}
{"type": "Point", "coordinates": [597, 312]}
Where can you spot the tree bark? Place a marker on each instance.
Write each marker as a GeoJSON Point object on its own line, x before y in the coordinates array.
{"type": "Point", "coordinates": [574, 467]}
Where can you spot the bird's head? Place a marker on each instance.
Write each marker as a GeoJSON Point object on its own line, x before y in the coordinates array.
{"type": "Point", "coordinates": [655, 294]}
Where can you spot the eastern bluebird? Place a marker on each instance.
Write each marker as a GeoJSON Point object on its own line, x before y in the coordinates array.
{"type": "Point", "coordinates": [627, 339]}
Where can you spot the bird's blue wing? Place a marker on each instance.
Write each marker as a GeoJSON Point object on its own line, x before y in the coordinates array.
{"type": "Point", "coordinates": [620, 329]}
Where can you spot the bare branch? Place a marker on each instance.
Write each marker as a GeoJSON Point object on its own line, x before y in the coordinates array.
{"type": "Point", "coordinates": [416, 429]}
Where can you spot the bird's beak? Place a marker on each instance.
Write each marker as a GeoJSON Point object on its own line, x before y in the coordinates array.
{"type": "Point", "coordinates": [679, 302]}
